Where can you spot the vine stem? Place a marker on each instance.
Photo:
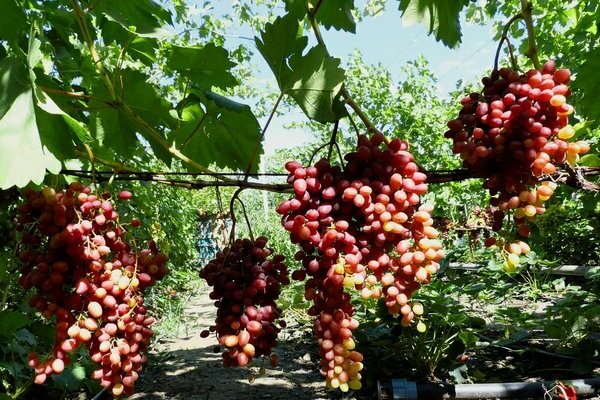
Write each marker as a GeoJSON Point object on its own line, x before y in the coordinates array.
{"type": "Point", "coordinates": [505, 36]}
{"type": "Point", "coordinates": [117, 101]}
{"type": "Point", "coordinates": [575, 177]}
{"type": "Point", "coordinates": [232, 213]}
{"type": "Point", "coordinates": [262, 134]}
{"type": "Point", "coordinates": [532, 52]}
{"type": "Point", "coordinates": [315, 8]}
{"type": "Point", "coordinates": [344, 92]}
{"type": "Point", "coordinates": [80, 16]}
{"type": "Point", "coordinates": [158, 138]}
{"type": "Point", "coordinates": [246, 218]}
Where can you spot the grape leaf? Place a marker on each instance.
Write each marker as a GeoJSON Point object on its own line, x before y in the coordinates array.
{"type": "Point", "coordinates": [317, 82]}
{"type": "Point", "coordinates": [331, 14]}
{"type": "Point", "coordinates": [297, 8]}
{"type": "Point", "coordinates": [58, 129]}
{"type": "Point", "coordinates": [206, 66]}
{"type": "Point", "coordinates": [12, 321]}
{"type": "Point", "coordinates": [19, 136]}
{"type": "Point", "coordinates": [215, 129]}
{"type": "Point", "coordinates": [442, 16]}
{"type": "Point", "coordinates": [313, 79]}
{"type": "Point", "coordinates": [70, 379]}
{"type": "Point", "coordinates": [115, 129]}
{"type": "Point", "coordinates": [337, 15]}
{"type": "Point", "coordinates": [278, 42]}
{"type": "Point", "coordinates": [142, 17]}
{"type": "Point", "coordinates": [588, 83]}
{"type": "Point", "coordinates": [590, 160]}
{"type": "Point", "coordinates": [13, 21]}
{"type": "Point", "coordinates": [138, 47]}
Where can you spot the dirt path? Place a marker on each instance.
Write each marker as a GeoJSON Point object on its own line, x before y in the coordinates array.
{"type": "Point", "coordinates": [185, 367]}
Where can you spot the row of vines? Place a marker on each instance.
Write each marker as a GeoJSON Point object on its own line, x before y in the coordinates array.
{"type": "Point", "coordinates": [354, 234]}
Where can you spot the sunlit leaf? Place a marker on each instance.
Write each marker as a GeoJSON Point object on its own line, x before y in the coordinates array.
{"type": "Point", "coordinates": [19, 136]}
{"type": "Point", "coordinates": [588, 83]}
{"type": "Point", "coordinates": [116, 129]}
{"type": "Point", "coordinates": [219, 130]}
{"type": "Point", "coordinates": [313, 79]}
{"type": "Point", "coordinates": [440, 16]}
{"type": "Point", "coordinates": [206, 67]}
{"type": "Point", "coordinates": [13, 20]}
{"type": "Point", "coordinates": [142, 17]}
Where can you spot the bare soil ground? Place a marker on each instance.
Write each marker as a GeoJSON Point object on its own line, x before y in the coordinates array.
{"type": "Point", "coordinates": [185, 367]}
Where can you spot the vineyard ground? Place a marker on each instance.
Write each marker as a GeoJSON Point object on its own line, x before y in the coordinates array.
{"type": "Point", "coordinates": [185, 367]}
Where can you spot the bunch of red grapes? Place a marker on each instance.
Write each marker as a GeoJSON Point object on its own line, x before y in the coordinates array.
{"type": "Point", "coordinates": [360, 227]}
{"type": "Point", "coordinates": [512, 133]}
{"type": "Point", "coordinates": [246, 281]}
{"type": "Point", "coordinates": [75, 255]}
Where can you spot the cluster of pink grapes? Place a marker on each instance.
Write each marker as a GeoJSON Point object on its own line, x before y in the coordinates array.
{"type": "Point", "coordinates": [75, 254]}
{"type": "Point", "coordinates": [360, 227]}
{"type": "Point", "coordinates": [246, 281]}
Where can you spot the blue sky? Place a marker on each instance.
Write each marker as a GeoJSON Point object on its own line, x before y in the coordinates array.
{"type": "Point", "coordinates": [384, 39]}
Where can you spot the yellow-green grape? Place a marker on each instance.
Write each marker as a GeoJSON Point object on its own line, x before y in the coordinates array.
{"type": "Point", "coordinates": [417, 308]}
{"type": "Point", "coordinates": [566, 132]}
{"type": "Point", "coordinates": [513, 259]}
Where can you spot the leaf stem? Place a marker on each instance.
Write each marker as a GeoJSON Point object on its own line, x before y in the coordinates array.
{"type": "Point", "coordinates": [117, 167]}
{"type": "Point", "coordinates": [348, 99]}
{"type": "Point", "coordinates": [505, 36]}
{"type": "Point", "coordinates": [262, 135]}
{"type": "Point", "coordinates": [532, 52]}
{"type": "Point", "coordinates": [361, 114]}
{"type": "Point", "coordinates": [158, 138]}
{"type": "Point", "coordinates": [80, 16]}
{"type": "Point", "coordinates": [315, 9]}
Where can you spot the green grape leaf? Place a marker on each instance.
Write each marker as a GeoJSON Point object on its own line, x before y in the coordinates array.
{"type": "Point", "coordinates": [12, 321]}
{"type": "Point", "coordinates": [115, 129]}
{"type": "Point", "coordinates": [278, 42]}
{"type": "Point", "coordinates": [57, 129]}
{"type": "Point", "coordinates": [588, 83]}
{"type": "Point", "coordinates": [313, 80]}
{"type": "Point", "coordinates": [590, 160]}
{"type": "Point", "coordinates": [442, 17]}
{"type": "Point", "coordinates": [331, 14]}
{"type": "Point", "coordinates": [142, 17]}
{"type": "Point", "coordinates": [316, 82]}
{"type": "Point", "coordinates": [71, 378]}
{"type": "Point", "coordinates": [19, 136]}
{"type": "Point", "coordinates": [13, 21]}
{"type": "Point", "coordinates": [297, 8]}
{"type": "Point", "coordinates": [144, 50]}
{"type": "Point", "coordinates": [211, 123]}
{"type": "Point", "coordinates": [138, 47]}
{"type": "Point", "coordinates": [337, 15]}
{"type": "Point", "coordinates": [206, 67]}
